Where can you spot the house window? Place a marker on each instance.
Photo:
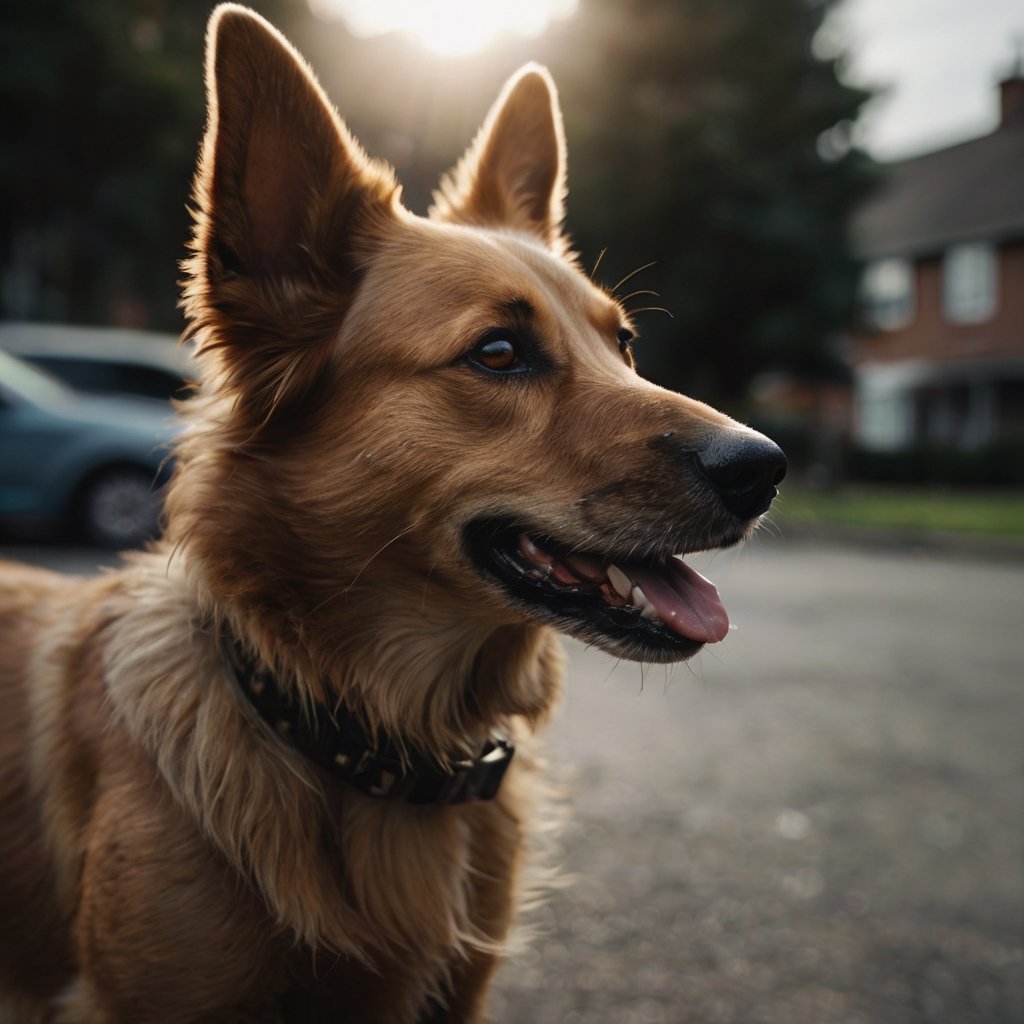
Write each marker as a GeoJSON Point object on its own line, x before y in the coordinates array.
{"type": "Point", "coordinates": [885, 422]}
{"type": "Point", "coordinates": [969, 283]}
{"type": "Point", "coordinates": [888, 294]}
{"type": "Point", "coordinates": [886, 404]}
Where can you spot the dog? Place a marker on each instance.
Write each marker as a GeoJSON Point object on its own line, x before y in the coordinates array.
{"type": "Point", "coordinates": [281, 766]}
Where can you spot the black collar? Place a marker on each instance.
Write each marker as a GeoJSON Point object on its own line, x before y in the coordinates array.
{"type": "Point", "coordinates": [339, 744]}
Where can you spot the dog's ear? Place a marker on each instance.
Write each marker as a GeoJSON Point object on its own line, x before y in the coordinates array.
{"type": "Point", "coordinates": [283, 195]}
{"type": "Point", "coordinates": [513, 175]}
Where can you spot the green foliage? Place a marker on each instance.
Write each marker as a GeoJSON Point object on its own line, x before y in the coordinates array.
{"type": "Point", "coordinates": [712, 139]}
{"type": "Point", "coordinates": [1000, 464]}
{"type": "Point", "coordinates": [997, 513]}
{"type": "Point", "coordinates": [102, 110]}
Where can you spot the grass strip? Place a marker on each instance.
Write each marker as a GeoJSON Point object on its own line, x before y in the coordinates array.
{"type": "Point", "coordinates": [990, 513]}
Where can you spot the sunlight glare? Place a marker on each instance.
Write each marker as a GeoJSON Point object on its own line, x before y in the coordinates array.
{"type": "Point", "coordinates": [449, 27]}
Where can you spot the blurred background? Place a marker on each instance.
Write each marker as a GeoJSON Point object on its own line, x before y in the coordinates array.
{"type": "Point", "coordinates": [821, 205]}
{"type": "Point", "coordinates": [825, 197]}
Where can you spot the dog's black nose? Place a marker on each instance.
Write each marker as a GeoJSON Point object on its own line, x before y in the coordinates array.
{"type": "Point", "coordinates": [745, 471]}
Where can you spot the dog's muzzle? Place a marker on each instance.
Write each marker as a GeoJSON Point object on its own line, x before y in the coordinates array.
{"type": "Point", "coordinates": [633, 594]}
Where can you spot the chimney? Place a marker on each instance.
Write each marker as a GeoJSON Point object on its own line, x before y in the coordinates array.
{"type": "Point", "coordinates": [1011, 89]}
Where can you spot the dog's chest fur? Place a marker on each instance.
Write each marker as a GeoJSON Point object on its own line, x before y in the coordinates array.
{"type": "Point", "coordinates": [241, 864]}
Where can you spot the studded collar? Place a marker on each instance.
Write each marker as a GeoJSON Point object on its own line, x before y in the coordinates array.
{"type": "Point", "coordinates": [374, 764]}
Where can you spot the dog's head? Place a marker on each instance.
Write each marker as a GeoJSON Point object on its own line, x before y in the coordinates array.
{"type": "Point", "coordinates": [439, 417]}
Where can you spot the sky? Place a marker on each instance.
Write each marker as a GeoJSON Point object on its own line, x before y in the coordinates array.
{"type": "Point", "coordinates": [448, 27]}
{"type": "Point", "coordinates": [940, 58]}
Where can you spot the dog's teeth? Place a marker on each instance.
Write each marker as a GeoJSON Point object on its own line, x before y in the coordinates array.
{"type": "Point", "coordinates": [586, 568]}
{"type": "Point", "coordinates": [530, 551]}
{"type": "Point", "coordinates": [620, 581]}
{"type": "Point", "coordinates": [647, 610]}
{"type": "Point", "coordinates": [563, 574]}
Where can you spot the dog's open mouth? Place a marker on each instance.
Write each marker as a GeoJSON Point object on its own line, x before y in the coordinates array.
{"type": "Point", "coordinates": [654, 609]}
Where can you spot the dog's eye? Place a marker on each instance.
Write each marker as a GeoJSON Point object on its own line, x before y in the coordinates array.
{"type": "Point", "coordinates": [497, 352]}
{"type": "Point", "coordinates": [626, 337]}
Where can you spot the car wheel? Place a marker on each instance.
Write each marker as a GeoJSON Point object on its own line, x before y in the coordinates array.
{"type": "Point", "coordinates": [120, 507]}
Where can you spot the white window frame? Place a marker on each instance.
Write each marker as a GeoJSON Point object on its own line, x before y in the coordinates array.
{"type": "Point", "coordinates": [885, 404]}
{"type": "Point", "coordinates": [970, 282]}
{"type": "Point", "coordinates": [889, 293]}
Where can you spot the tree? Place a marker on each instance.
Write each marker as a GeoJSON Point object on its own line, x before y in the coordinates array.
{"type": "Point", "coordinates": [710, 137]}
{"type": "Point", "coordinates": [102, 110]}
{"type": "Point", "coordinates": [705, 135]}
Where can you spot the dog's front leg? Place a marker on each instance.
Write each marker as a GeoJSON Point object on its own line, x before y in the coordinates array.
{"type": "Point", "coordinates": [495, 858]}
{"type": "Point", "coordinates": [166, 933]}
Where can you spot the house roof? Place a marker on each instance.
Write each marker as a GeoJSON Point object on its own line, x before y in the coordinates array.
{"type": "Point", "coordinates": [973, 191]}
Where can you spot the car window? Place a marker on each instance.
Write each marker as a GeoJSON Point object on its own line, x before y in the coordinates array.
{"type": "Point", "coordinates": [30, 383]}
{"type": "Point", "coordinates": [105, 376]}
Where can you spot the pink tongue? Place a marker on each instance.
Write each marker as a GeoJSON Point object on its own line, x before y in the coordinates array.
{"type": "Point", "coordinates": [685, 601]}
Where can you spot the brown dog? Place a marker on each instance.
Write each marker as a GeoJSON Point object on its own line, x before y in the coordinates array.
{"type": "Point", "coordinates": [256, 775]}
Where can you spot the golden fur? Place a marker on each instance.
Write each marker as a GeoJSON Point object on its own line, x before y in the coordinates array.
{"type": "Point", "coordinates": [165, 858]}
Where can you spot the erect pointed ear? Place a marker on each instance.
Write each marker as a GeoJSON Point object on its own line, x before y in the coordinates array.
{"type": "Point", "coordinates": [513, 175]}
{"type": "Point", "coordinates": [283, 194]}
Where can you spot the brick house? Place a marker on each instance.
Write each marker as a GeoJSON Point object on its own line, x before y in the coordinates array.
{"type": "Point", "coordinates": [942, 361]}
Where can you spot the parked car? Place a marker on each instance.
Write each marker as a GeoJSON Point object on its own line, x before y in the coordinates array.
{"type": "Point", "coordinates": [103, 360]}
{"type": "Point", "coordinates": [73, 460]}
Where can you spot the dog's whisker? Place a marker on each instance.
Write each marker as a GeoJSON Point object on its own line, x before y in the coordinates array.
{"type": "Point", "coordinates": [691, 667]}
{"type": "Point", "coordinates": [398, 536]}
{"type": "Point", "coordinates": [669, 673]}
{"type": "Point", "coordinates": [640, 291]}
{"type": "Point", "coordinates": [597, 263]}
{"type": "Point", "coordinates": [355, 579]}
{"type": "Point", "coordinates": [639, 270]}
{"type": "Point", "coordinates": [652, 309]}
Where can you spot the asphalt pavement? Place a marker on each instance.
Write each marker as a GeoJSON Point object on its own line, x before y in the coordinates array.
{"type": "Point", "coordinates": [818, 821]}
